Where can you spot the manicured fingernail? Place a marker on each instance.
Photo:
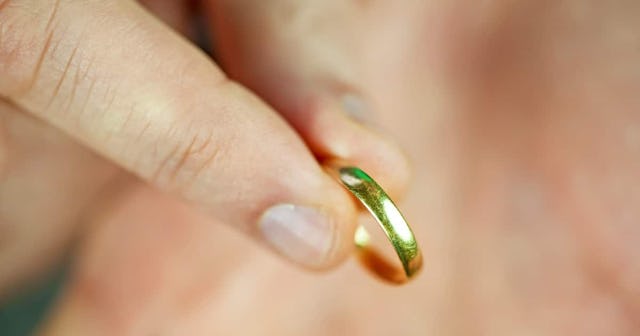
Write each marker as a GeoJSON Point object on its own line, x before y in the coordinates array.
{"type": "Point", "coordinates": [356, 108]}
{"type": "Point", "coordinates": [302, 234]}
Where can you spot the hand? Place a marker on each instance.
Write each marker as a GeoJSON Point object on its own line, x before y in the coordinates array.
{"type": "Point", "coordinates": [106, 77]}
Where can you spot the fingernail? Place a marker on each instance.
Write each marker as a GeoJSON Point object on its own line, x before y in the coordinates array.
{"type": "Point", "coordinates": [356, 108]}
{"type": "Point", "coordinates": [302, 234]}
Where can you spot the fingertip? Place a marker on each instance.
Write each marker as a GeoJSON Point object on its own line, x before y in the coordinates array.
{"type": "Point", "coordinates": [340, 125]}
{"type": "Point", "coordinates": [317, 235]}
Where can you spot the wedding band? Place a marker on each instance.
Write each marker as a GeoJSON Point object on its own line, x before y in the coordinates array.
{"type": "Point", "coordinates": [382, 208]}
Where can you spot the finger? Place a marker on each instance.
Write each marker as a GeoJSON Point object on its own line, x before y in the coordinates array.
{"type": "Point", "coordinates": [112, 77]}
{"type": "Point", "coordinates": [309, 70]}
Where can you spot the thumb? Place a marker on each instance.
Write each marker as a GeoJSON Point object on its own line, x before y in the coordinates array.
{"type": "Point", "coordinates": [121, 83]}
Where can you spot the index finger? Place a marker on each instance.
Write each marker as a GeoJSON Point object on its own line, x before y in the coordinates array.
{"type": "Point", "coordinates": [120, 82]}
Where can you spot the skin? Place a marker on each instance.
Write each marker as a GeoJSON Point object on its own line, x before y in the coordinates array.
{"type": "Point", "coordinates": [176, 123]}
{"type": "Point", "coordinates": [521, 118]}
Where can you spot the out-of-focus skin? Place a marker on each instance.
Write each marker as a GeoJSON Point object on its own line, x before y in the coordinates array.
{"type": "Point", "coordinates": [523, 122]}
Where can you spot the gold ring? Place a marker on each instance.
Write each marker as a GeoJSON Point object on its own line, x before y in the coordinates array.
{"type": "Point", "coordinates": [386, 213]}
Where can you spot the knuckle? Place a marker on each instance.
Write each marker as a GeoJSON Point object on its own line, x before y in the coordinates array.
{"type": "Point", "coordinates": [188, 161]}
{"type": "Point", "coordinates": [27, 35]}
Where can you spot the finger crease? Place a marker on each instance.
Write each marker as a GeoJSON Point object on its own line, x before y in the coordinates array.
{"type": "Point", "coordinates": [163, 164]}
{"type": "Point", "coordinates": [54, 12]}
{"type": "Point", "coordinates": [56, 89]}
{"type": "Point", "coordinates": [184, 157]}
{"type": "Point", "coordinates": [40, 61]}
{"type": "Point", "coordinates": [206, 163]}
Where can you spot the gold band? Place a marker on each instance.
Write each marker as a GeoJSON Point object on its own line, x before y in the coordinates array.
{"type": "Point", "coordinates": [376, 200]}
